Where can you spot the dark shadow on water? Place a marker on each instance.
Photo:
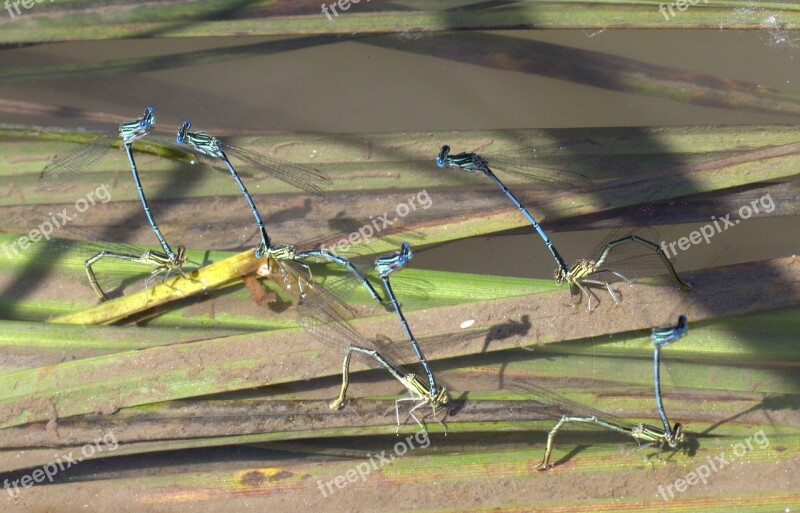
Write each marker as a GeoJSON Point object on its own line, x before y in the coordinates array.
{"type": "Point", "coordinates": [135, 66]}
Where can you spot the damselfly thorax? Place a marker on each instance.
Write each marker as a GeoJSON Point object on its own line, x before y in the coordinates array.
{"type": "Point", "coordinates": [281, 267]}
{"type": "Point", "coordinates": [579, 275]}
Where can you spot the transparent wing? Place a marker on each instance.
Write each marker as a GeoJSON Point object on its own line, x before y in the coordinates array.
{"type": "Point", "coordinates": [66, 167]}
{"type": "Point", "coordinates": [91, 242]}
{"type": "Point", "coordinates": [537, 164]}
{"type": "Point", "coordinates": [619, 253]}
{"type": "Point", "coordinates": [406, 286]}
{"type": "Point", "coordinates": [361, 255]}
{"type": "Point", "coordinates": [629, 256]}
{"type": "Point", "coordinates": [559, 406]}
{"type": "Point", "coordinates": [85, 244]}
{"type": "Point", "coordinates": [326, 319]}
{"type": "Point", "coordinates": [636, 254]}
{"type": "Point", "coordinates": [305, 178]}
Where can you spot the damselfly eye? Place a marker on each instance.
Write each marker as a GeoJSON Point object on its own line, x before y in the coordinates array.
{"type": "Point", "coordinates": [182, 131]}
{"type": "Point", "coordinates": [441, 159]}
{"type": "Point", "coordinates": [148, 119]}
{"type": "Point", "coordinates": [405, 251]}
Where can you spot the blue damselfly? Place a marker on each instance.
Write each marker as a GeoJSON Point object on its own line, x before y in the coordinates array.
{"type": "Point", "coordinates": [305, 178]}
{"type": "Point", "coordinates": [325, 317]}
{"type": "Point", "coordinates": [570, 411]}
{"type": "Point", "coordinates": [386, 266]}
{"type": "Point", "coordinates": [90, 241]}
{"type": "Point", "coordinates": [663, 336]}
{"type": "Point", "coordinates": [603, 260]}
{"type": "Point", "coordinates": [67, 166]}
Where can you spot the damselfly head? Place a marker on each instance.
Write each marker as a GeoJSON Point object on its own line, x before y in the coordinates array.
{"type": "Point", "coordinates": [681, 328]}
{"type": "Point", "coordinates": [441, 397]}
{"type": "Point", "coordinates": [559, 276]}
{"type": "Point", "coordinates": [182, 131]}
{"type": "Point", "coordinates": [677, 437]}
{"type": "Point", "coordinates": [134, 130]}
{"type": "Point", "coordinates": [405, 253]}
{"type": "Point", "coordinates": [389, 264]}
{"type": "Point", "coordinates": [663, 336]}
{"type": "Point", "coordinates": [180, 257]}
{"type": "Point", "coordinates": [148, 119]}
{"type": "Point", "coordinates": [441, 159]}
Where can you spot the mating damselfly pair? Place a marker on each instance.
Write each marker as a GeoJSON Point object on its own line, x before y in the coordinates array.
{"type": "Point", "coordinates": [567, 411]}
{"type": "Point", "coordinates": [68, 167]}
{"type": "Point", "coordinates": [616, 258]}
